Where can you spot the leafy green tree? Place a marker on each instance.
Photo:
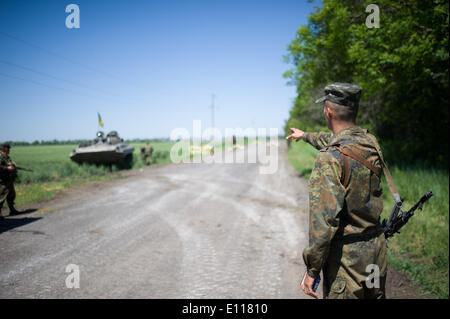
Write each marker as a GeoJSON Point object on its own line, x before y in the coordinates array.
{"type": "Point", "coordinates": [402, 67]}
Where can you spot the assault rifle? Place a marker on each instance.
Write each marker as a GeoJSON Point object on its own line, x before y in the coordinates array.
{"type": "Point", "coordinates": [13, 175]}
{"type": "Point", "coordinates": [23, 168]}
{"type": "Point", "coordinates": [399, 218]}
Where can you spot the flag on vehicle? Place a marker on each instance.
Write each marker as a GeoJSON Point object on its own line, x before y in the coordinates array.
{"type": "Point", "coordinates": [100, 122]}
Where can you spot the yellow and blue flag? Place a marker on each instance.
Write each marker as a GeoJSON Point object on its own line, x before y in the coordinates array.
{"type": "Point", "coordinates": [100, 122]}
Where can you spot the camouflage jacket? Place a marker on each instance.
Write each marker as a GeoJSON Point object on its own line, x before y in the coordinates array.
{"type": "Point", "coordinates": [335, 210]}
{"type": "Point", "coordinates": [149, 150]}
{"type": "Point", "coordinates": [5, 161]}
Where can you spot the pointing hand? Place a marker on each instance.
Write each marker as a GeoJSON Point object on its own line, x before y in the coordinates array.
{"type": "Point", "coordinates": [296, 134]}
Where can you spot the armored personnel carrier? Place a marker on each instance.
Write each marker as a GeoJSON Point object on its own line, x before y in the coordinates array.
{"type": "Point", "coordinates": [104, 150]}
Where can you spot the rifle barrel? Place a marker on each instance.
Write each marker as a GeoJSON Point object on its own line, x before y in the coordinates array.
{"type": "Point", "coordinates": [23, 169]}
{"type": "Point", "coordinates": [421, 201]}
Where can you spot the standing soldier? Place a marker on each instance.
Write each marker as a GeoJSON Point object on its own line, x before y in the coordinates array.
{"type": "Point", "coordinates": [143, 153]}
{"type": "Point", "coordinates": [345, 237]}
{"type": "Point", "coordinates": [8, 173]}
{"type": "Point", "coordinates": [148, 151]}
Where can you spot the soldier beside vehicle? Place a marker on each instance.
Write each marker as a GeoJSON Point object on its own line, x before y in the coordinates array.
{"type": "Point", "coordinates": [146, 154]}
{"type": "Point", "coordinates": [8, 173]}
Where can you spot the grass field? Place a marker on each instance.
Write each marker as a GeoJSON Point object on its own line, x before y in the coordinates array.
{"type": "Point", "coordinates": [422, 248]}
{"type": "Point", "coordinates": [53, 170]}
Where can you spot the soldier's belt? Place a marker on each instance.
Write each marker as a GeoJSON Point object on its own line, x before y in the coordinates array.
{"type": "Point", "coordinates": [353, 238]}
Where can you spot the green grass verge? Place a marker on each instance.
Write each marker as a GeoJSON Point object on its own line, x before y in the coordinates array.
{"type": "Point", "coordinates": [421, 250]}
{"type": "Point", "coordinates": [302, 156]}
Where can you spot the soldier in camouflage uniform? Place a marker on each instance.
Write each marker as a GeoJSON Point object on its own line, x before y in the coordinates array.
{"type": "Point", "coordinates": [146, 154]}
{"type": "Point", "coordinates": [7, 175]}
{"type": "Point", "coordinates": [345, 199]}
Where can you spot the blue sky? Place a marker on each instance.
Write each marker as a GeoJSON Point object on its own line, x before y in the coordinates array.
{"type": "Point", "coordinates": [146, 66]}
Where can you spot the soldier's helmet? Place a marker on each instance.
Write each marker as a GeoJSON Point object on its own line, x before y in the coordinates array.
{"type": "Point", "coordinates": [4, 146]}
{"type": "Point", "coordinates": [342, 93]}
{"type": "Point", "coordinates": [100, 134]}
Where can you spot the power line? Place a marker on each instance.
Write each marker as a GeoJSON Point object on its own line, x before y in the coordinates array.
{"type": "Point", "coordinates": [57, 78]}
{"type": "Point", "coordinates": [56, 54]}
{"type": "Point", "coordinates": [71, 61]}
{"type": "Point", "coordinates": [43, 84]}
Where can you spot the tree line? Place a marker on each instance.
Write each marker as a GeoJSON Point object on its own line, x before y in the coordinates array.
{"type": "Point", "coordinates": [402, 67]}
{"type": "Point", "coordinates": [79, 142]}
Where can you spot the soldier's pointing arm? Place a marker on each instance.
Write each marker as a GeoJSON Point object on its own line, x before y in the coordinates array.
{"type": "Point", "coordinates": [326, 200]}
{"type": "Point", "coordinates": [317, 139]}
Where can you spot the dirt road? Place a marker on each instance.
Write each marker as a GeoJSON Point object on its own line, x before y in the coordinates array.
{"type": "Point", "coordinates": [173, 231]}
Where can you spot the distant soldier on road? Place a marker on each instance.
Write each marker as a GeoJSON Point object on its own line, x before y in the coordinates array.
{"type": "Point", "coordinates": [234, 142]}
{"type": "Point", "coordinates": [8, 173]}
{"type": "Point", "coordinates": [146, 154]}
{"type": "Point", "coordinates": [345, 197]}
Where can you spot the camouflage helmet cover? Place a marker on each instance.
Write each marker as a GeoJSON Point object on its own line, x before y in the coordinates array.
{"type": "Point", "coordinates": [4, 145]}
{"type": "Point", "coordinates": [342, 93]}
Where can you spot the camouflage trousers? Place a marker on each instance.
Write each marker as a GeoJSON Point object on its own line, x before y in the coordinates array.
{"type": "Point", "coordinates": [8, 193]}
{"type": "Point", "coordinates": [349, 266]}
{"type": "Point", "coordinates": [147, 159]}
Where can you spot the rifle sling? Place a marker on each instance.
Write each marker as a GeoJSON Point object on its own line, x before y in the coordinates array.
{"type": "Point", "coordinates": [358, 158]}
{"type": "Point", "coordinates": [387, 174]}
{"type": "Point", "coordinates": [353, 238]}
{"type": "Point", "coordinates": [347, 153]}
